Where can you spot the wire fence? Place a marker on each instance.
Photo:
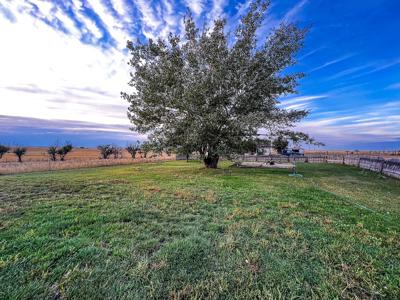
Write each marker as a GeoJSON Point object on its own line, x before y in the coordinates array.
{"type": "Point", "coordinates": [389, 167]}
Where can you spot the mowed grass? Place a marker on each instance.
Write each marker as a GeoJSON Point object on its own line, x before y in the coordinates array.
{"type": "Point", "coordinates": [176, 230]}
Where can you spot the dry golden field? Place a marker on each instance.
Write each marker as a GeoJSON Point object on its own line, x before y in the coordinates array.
{"type": "Point", "coordinates": [37, 159]}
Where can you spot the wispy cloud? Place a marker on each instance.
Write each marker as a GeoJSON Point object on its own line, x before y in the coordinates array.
{"type": "Point", "coordinates": [22, 130]}
{"type": "Point", "coordinates": [195, 6]}
{"type": "Point", "coordinates": [394, 86]}
{"type": "Point", "coordinates": [301, 99]}
{"type": "Point", "coordinates": [113, 25]}
{"type": "Point", "coordinates": [30, 88]}
{"type": "Point", "coordinates": [49, 71]}
{"type": "Point", "coordinates": [332, 62]}
{"type": "Point", "coordinates": [378, 66]}
{"type": "Point", "coordinates": [6, 12]}
{"type": "Point", "coordinates": [349, 71]}
{"type": "Point", "coordinates": [301, 102]}
{"type": "Point", "coordinates": [158, 20]}
{"type": "Point", "coordinates": [310, 53]}
{"type": "Point", "coordinates": [371, 123]}
{"type": "Point", "coordinates": [217, 9]}
{"type": "Point", "coordinates": [89, 25]}
{"type": "Point", "coordinates": [124, 11]}
{"type": "Point", "coordinates": [291, 15]}
{"type": "Point", "coordinates": [150, 21]}
{"type": "Point", "coordinates": [352, 74]}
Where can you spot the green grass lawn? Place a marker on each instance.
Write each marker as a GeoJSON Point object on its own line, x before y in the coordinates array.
{"type": "Point", "coordinates": [177, 230]}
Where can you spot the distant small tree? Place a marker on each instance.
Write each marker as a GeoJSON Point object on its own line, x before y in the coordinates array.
{"type": "Point", "coordinates": [64, 150]}
{"type": "Point", "coordinates": [133, 149]}
{"type": "Point", "coordinates": [105, 150]}
{"type": "Point", "coordinates": [280, 143]}
{"type": "Point", "coordinates": [52, 152]}
{"type": "Point", "coordinates": [3, 150]}
{"type": "Point", "coordinates": [117, 152]}
{"type": "Point", "coordinates": [19, 152]}
{"type": "Point", "coordinates": [145, 148]}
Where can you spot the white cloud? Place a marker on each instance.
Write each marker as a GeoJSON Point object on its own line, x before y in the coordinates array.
{"type": "Point", "coordinates": [372, 123]}
{"type": "Point", "coordinates": [45, 7]}
{"type": "Point", "coordinates": [159, 20]}
{"type": "Point", "coordinates": [68, 23]}
{"type": "Point", "coordinates": [120, 7]}
{"type": "Point", "coordinates": [56, 62]}
{"type": "Point", "coordinates": [195, 6]}
{"type": "Point", "coordinates": [89, 25]}
{"type": "Point", "coordinates": [217, 10]}
{"type": "Point", "coordinates": [150, 21]}
{"type": "Point", "coordinates": [349, 71]}
{"type": "Point", "coordinates": [301, 102]}
{"type": "Point", "coordinates": [379, 66]}
{"type": "Point", "coordinates": [332, 62]}
{"type": "Point", "coordinates": [294, 11]}
{"type": "Point", "coordinates": [301, 99]}
{"type": "Point", "coordinates": [113, 25]}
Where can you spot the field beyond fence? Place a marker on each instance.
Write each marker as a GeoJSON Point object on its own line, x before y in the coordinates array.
{"type": "Point", "coordinates": [385, 166]}
{"type": "Point", "coordinates": [36, 159]}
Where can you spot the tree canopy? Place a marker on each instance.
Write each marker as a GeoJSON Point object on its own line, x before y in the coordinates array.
{"type": "Point", "coordinates": [212, 92]}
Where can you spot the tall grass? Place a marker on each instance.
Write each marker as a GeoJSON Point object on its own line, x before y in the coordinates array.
{"type": "Point", "coordinates": [33, 166]}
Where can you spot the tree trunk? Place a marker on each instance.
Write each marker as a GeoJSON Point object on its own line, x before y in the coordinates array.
{"type": "Point", "coordinates": [211, 161]}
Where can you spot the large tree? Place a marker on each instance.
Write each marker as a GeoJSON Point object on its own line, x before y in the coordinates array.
{"type": "Point", "coordinates": [211, 91]}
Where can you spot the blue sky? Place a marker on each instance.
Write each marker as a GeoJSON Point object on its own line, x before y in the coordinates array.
{"type": "Point", "coordinates": [63, 65]}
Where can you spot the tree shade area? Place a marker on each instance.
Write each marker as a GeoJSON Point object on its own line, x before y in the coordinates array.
{"type": "Point", "coordinates": [212, 92]}
{"type": "Point", "coordinates": [179, 230]}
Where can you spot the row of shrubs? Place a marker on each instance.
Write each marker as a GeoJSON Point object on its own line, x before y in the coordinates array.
{"type": "Point", "coordinates": [18, 151]}
{"type": "Point", "coordinates": [106, 151]}
{"type": "Point", "coordinates": [52, 151]}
